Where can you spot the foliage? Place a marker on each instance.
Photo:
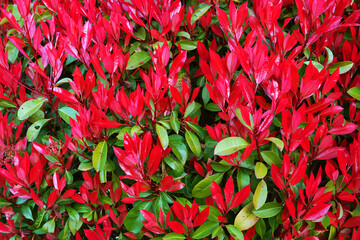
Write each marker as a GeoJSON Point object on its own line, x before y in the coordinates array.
{"type": "Point", "coordinates": [176, 119]}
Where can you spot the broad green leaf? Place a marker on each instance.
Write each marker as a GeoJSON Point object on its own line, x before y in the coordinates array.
{"type": "Point", "coordinates": [198, 130]}
{"type": "Point", "coordinates": [85, 166]}
{"type": "Point", "coordinates": [260, 195]}
{"type": "Point", "coordinates": [49, 226]}
{"type": "Point", "coordinates": [38, 115]}
{"type": "Point", "coordinates": [230, 145]}
{"type": "Point", "coordinates": [73, 214]}
{"type": "Point", "coordinates": [163, 136]}
{"type": "Point", "coordinates": [202, 189]}
{"type": "Point", "coordinates": [278, 142]}
{"type": "Point", "coordinates": [193, 142]}
{"type": "Point", "coordinates": [183, 34]}
{"type": "Point", "coordinates": [330, 55]}
{"type": "Point", "coordinates": [174, 122]}
{"type": "Point", "coordinates": [260, 170]}
{"type": "Point", "coordinates": [343, 67]}
{"type": "Point", "coordinates": [271, 158]}
{"type": "Point", "coordinates": [28, 108]}
{"type": "Point", "coordinates": [199, 13]}
{"type": "Point", "coordinates": [268, 210]}
{"type": "Point", "coordinates": [354, 92]}
{"type": "Point", "coordinates": [34, 130]}
{"type": "Point", "coordinates": [26, 212]}
{"type": "Point", "coordinates": [260, 227]}
{"type": "Point", "coordinates": [12, 52]}
{"type": "Point", "coordinates": [190, 108]}
{"type": "Point", "coordinates": [133, 220]}
{"type": "Point", "coordinates": [178, 147]}
{"type": "Point", "coordinates": [138, 59]}
{"type": "Point", "coordinates": [66, 113]}
{"type": "Point", "coordinates": [99, 156]}
{"type": "Point", "coordinates": [187, 45]}
{"type": "Point", "coordinates": [173, 236]}
{"type": "Point", "coordinates": [205, 230]}
{"type": "Point", "coordinates": [245, 218]}
{"type": "Point", "coordinates": [219, 233]}
{"type": "Point", "coordinates": [235, 232]}
{"type": "Point", "coordinates": [6, 103]}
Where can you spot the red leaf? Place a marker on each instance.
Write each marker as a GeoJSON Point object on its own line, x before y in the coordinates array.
{"type": "Point", "coordinates": [329, 153]}
{"type": "Point", "coordinates": [64, 95]}
{"type": "Point", "coordinates": [352, 222]}
{"type": "Point", "coordinates": [36, 199]}
{"type": "Point", "coordinates": [317, 212]}
{"type": "Point", "coordinates": [229, 190]}
{"type": "Point", "coordinates": [240, 197]}
{"type": "Point", "coordinates": [348, 128]}
{"type": "Point", "coordinates": [276, 175]}
{"type": "Point", "coordinates": [11, 19]}
{"type": "Point", "coordinates": [217, 196]}
{"type": "Point", "coordinates": [176, 227]}
{"type": "Point", "coordinates": [201, 217]}
{"type": "Point", "coordinates": [107, 123]}
{"type": "Point", "coordinates": [166, 183]}
{"type": "Point", "coordinates": [154, 160]}
{"type": "Point", "coordinates": [299, 172]}
{"type": "Point", "coordinates": [175, 94]}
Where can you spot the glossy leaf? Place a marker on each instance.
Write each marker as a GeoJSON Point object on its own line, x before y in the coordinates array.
{"type": "Point", "coordinates": [230, 145]}
{"type": "Point", "coordinates": [99, 156]}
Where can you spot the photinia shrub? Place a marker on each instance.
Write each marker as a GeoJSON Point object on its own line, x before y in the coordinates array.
{"type": "Point", "coordinates": [170, 119]}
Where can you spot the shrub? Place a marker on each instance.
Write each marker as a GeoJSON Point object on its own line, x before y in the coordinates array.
{"type": "Point", "coordinates": [175, 119]}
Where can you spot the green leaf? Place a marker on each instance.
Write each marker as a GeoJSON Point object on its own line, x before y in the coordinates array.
{"type": "Point", "coordinates": [138, 59]}
{"type": "Point", "coordinates": [183, 34]}
{"type": "Point", "coordinates": [354, 92]}
{"type": "Point", "coordinates": [330, 55]}
{"type": "Point", "coordinates": [268, 210]}
{"type": "Point", "coordinates": [49, 226]}
{"type": "Point", "coordinates": [238, 114]}
{"type": "Point", "coordinates": [28, 108]}
{"type": "Point", "coordinates": [279, 143]}
{"type": "Point", "coordinates": [245, 218]}
{"type": "Point", "coordinates": [4, 202]}
{"type": "Point", "coordinates": [271, 158]}
{"type": "Point", "coordinates": [178, 147]}
{"type": "Point", "coordinates": [12, 52]}
{"type": "Point", "coordinates": [199, 13]}
{"type": "Point", "coordinates": [260, 195]}
{"type": "Point", "coordinates": [202, 189]}
{"type": "Point", "coordinates": [187, 45]}
{"type": "Point", "coordinates": [34, 130]}
{"type": "Point", "coordinates": [99, 156]}
{"type": "Point", "coordinates": [230, 145]}
{"type": "Point", "coordinates": [73, 214]}
{"type": "Point", "coordinates": [163, 136]}
{"type": "Point", "coordinates": [174, 122]}
{"type": "Point", "coordinates": [133, 220]}
{"type": "Point", "coordinates": [198, 130]}
{"type": "Point", "coordinates": [343, 67]}
{"type": "Point", "coordinates": [174, 236]}
{"type": "Point", "coordinates": [235, 232]}
{"type": "Point", "coordinates": [190, 108]}
{"type": "Point", "coordinates": [193, 142]}
{"type": "Point", "coordinates": [317, 65]}
{"type": "Point", "coordinates": [66, 113]}
{"type": "Point", "coordinates": [6, 103]}
{"type": "Point", "coordinates": [260, 170]}
{"type": "Point", "coordinates": [26, 212]}
{"type": "Point", "coordinates": [205, 230]}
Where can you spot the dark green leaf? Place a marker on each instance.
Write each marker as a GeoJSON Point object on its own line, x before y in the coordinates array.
{"type": "Point", "coordinates": [138, 59]}
{"type": "Point", "coordinates": [133, 220]}
{"type": "Point", "coordinates": [235, 232]}
{"type": "Point", "coordinates": [205, 230]}
{"type": "Point", "coordinates": [202, 189]}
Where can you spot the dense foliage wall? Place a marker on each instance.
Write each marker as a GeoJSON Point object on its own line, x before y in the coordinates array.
{"type": "Point", "coordinates": [169, 119]}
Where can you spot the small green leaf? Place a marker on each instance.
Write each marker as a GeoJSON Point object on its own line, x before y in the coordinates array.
{"type": "Point", "coordinates": [268, 210]}
{"type": "Point", "coordinates": [34, 130]}
{"type": "Point", "coordinates": [230, 145]}
{"type": "Point", "coordinates": [66, 113]}
{"type": "Point", "coordinates": [245, 218]}
{"type": "Point", "coordinates": [28, 108]}
{"type": "Point", "coordinates": [330, 55]}
{"type": "Point", "coordinates": [174, 122]}
{"type": "Point", "coordinates": [198, 130]}
{"type": "Point", "coordinates": [271, 158]}
{"type": "Point", "coordinates": [190, 108]}
{"type": "Point", "coordinates": [240, 117]}
{"type": "Point", "coordinates": [173, 236]}
{"type": "Point", "coordinates": [202, 189]}
{"type": "Point", "coordinates": [138, 59]}
{"type": "Point", "coordinates": [205, 230]}
{"type": "Point", "coordinates": [187, 45]}
{"type": "Point", "coordinates": [4, 202]}
{"type": "Point", "coordinates": [343, 67]}
{"type": "Point", "coordinates": [193, 142]}
{"type": "Point", "coordinates": [260, 195]}
{"type": "Point", "coordinates": [279, 143]}
{"type": "Point", "coordinates": [260, 170]}
{"type": "Point", "coordinates": [235, 232]}
{"type": "Point", "coordinates": [133, 220]}
{"type": "Point", "coordinates": [99, 156]}
{"type": "Point", "coordinates": [199, 13]}
{"type": "Point", "coordinates": [73, 214]}
{"type": "Point", "coordinates": [354, 92]}
{"type": "Point", "coordinates": [163, 136]}
{"type": "Point", "coordinates": [317, 65]}
{"type": "Point", "coordinates": [26, 212]}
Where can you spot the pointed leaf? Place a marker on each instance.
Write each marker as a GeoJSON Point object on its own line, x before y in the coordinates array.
{"type": "Point", "coordinates": [99, 156]}
{"type": "Point", "coordinates": [230, 145]}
